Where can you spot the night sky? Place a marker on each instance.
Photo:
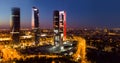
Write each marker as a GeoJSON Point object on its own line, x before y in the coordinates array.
{"type": "Point", "coordinates": [80, 13]}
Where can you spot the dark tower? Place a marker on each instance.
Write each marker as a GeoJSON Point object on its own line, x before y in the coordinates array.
{"type": "Point", "coordinates": [15, 24]}
{"type": "Point", "coordinates": [35, 24]}
{"type": "Point", "coordinates": [56, 28]}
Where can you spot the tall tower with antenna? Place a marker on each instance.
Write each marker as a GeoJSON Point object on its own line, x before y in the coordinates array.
{"type": "Point", "coordinates": [35, 24]}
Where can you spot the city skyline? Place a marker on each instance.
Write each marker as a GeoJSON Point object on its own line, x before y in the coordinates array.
{"type": "Point", "coordinates": [59, 31]}
{"type": "Point", "coordinates": [79, 13]}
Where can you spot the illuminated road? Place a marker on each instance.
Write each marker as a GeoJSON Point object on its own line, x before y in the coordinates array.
{"type": "Point", "coordinates": [81, 49]}
{"type": "Point", "coordinates": [92, 47]}
{"type": "Point", "coordinates": [9, 53]}
{"type": "Point", "coordinates": [5, 39]}
{"type": "Point", "coordinates": [47, 56]}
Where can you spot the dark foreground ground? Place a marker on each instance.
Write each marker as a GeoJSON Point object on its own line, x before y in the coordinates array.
{"type": "Point", "coordinates": [46, 60]}
{"type": "Point", "coordinates": [96, 56]}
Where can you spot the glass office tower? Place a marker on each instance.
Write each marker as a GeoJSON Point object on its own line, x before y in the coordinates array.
{"type": "Point", "coordinates": [35, 24]}
{"type": "Point", "coordinates": [15, 24]}
{"type": "Point", "coordinates": [59, 25]}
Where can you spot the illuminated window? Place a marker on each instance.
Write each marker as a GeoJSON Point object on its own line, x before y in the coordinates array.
{"type": "Point", "coordinates": [56, 31]}
{"type": "Point", "coordinates": [61, 34]}
{"type": "Point", "coordinates": [57, 38]}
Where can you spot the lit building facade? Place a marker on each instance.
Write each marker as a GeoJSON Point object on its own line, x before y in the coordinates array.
{"type": "Point", "coordinates": [35, 24]}
{"type": "Point", "coordinates": [62, 24]}
{"type": "Point", "coordinates": [15, 25]}
{"type": "Point", "coordinates": [59, 25]}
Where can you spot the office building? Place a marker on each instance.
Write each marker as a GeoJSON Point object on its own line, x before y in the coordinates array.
{"type": "Point", "coordinates": [59, 25]}
{"type": "Point", "coordinates": [15, 25]}
{"type": "Point", "coordinates": [35, 24]}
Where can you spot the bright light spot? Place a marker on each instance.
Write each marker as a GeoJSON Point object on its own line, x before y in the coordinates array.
{"type": "Point", "coordinates": [62, 12]}
{"type": "Point", "coordinates": [35, 9]}
{"type": "Point", "coordinates": [27, 36]}
{"type": "Point", "coordinates": [56, 31]}
{"type": "Point", "coordinates": [5, 39]}
{"type": "Point", "coordinates": [65, 43]}
{"type": "Point", "coordinates": [43, 35]}
{"type": "Point", "coordinates": [78, 57]}
{"type": "Point", "coordinates": [70, 53]}
{"type": "Point", "coordinates": [61, 47]}
{"type": "Point", "coordinates": [70, 48]}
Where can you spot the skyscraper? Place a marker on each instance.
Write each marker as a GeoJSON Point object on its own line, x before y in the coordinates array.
{"type": "Point", "coordinates": [15, 24]}
{"type": "Point", "coordinates": [59, 25]}
{"type": "Point", "coordinates": [63, 24]}
{"type": "Point", "coordinates": [56, 27]}
{"type": "Point", "coordinates": [35, 24]}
